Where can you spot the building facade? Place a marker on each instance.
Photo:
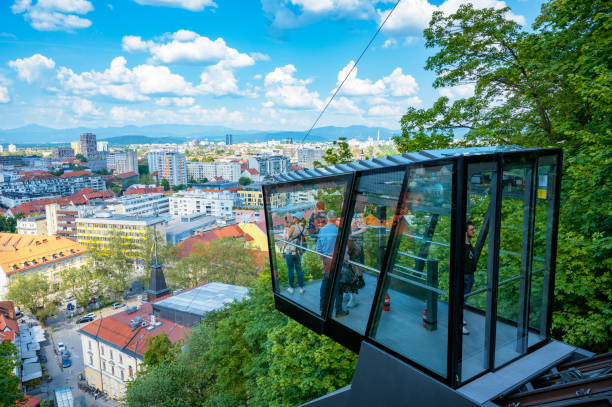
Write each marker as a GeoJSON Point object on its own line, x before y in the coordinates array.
{"type": "Point", "coordinates": [171, 166]}
{"type": "Point", "coordinates": [61, 221]}
{"type": "Point", "coordinates": [269, 165]}
{"type": "Point", "coordinates": [209, 202]}
{"type": "Point", "coordinates": [98, 230]}
{"type": "Point", "coordinates": [122, 161]}
{"type": "Point", "coordinates": [48, 255]}
{"type": "Point", "coordinates": [34, 225]}
{"type": "Point", "coordinates": [229, 171]}
{"type": "Point", "coordinates": [251, 196]}
{"type": "Point", "coordinates": [76, 147]}
{"type": "Point", "coordinates": [140, 205]}
{"type": "Point", "coordinates": [63, 153]}
{"type": "Point", "coordinates": [307, 156]}
{"type": "Point", "coordinates": [89, 146]}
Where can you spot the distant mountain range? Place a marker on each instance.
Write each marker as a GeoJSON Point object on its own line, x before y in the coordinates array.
{"type": "Point", "coordinates": [179, 133]}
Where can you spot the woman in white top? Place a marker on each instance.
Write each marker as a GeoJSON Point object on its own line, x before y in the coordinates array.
{"type": "Point", "coordinates": [295, 236]}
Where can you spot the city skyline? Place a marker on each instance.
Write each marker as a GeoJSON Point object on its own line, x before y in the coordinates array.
{"type": "Point", "coordinates": [87, 63]}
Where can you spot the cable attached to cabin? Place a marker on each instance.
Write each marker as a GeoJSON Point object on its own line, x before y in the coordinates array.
{"type": "Point", "coordinates": [351, 70]}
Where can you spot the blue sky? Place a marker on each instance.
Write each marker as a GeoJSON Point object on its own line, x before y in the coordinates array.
{"type": "Point", "coordinates": [265, 65]}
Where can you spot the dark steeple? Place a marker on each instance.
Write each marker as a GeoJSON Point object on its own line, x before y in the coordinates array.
{"type": "Point", "coordinates": [157, 283]}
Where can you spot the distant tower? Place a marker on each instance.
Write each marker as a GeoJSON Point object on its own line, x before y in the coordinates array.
{"type": "Point", "coordinates": [378, 136]}
{"type": "Point", "coordinates": [228, 139]}
{"type": "Point", "coordinates": [89, 146]}
{"type": "Point", "coordinates": [157, 283]}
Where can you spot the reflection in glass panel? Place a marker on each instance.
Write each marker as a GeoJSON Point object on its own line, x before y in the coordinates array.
{"type": "Point", "coordinates": [412, 311]}
{"type": "Point", "coordinates": [375, 204]}
{"type": "Point", "coordinates": [305, 218]}
{"type": "Point", "coordinates": [514, 261]}
{"type": "Point", "coordinates": [481, 184]}
{"type": "Point", "coordinates": [542, 239]}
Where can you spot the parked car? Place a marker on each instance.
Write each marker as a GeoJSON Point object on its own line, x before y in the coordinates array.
{"type": "Point", "coordinates": [92, 315]}
{"type": "Point", "coordinates": [65, 353]}
{"type": "Point", "coordinates": [70, 307]}
{"type": "Point", "coordinates": [118, 305]}
{"type": "Point", "coordinates": [61, 346]}
{"type": "Point", "coordinates": [143, 298]}
{"type": "Point", "coordinates": [66, 362]}
{"type": "Point", "coordinates": [84, 319]}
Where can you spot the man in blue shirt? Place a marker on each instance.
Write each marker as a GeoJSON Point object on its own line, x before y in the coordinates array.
{"type": "Point", "coordinates": [326, 242]}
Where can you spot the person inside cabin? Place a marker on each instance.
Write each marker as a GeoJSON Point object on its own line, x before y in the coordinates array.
{"type": "Point", "coordinates": [470, 262]}
{"type": "Point", "coordinates": [317, 220]}
{"type": "Point", "coordinates": [326, 242]}
{"type": "Point", "coordinates": [295, 236]}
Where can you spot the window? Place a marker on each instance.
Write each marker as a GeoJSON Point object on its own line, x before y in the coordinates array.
{"type": "Point", "coordinates": [103, 365]}
{"type": "Point", "coordinates": [130, 371]}
{"type": "Point", "coordinates": [122, 378]}
{"type": "Point", "coordinates": [91, 360]}
{"type": "Point", "coordinates": [120, 358]}
{"type": "Point", "coordinates": [111, 354]}
{"type": "Point", "coordinates": [112, 370]}
{"type": "Point", "coordinates": [101, 349]}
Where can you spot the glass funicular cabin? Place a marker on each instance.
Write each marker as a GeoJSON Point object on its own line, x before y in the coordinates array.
{"type": "Point", "coordinates": [404, 225]}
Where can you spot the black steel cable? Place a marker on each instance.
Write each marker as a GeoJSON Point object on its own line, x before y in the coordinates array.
{"type": "Point", "coordinates": [351, 70]}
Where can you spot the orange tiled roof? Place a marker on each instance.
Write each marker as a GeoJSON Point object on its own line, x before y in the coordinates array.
{"type": "Point", "coordinates": [116, 329]}
{"type": "Point", "coordinates": [6, 322]}
{"type": "Point", "coordinates": [7, 336]}
{"type": "Point", "coordinates": [126, 175]}
{"type": "Point", "coordinates": [146, 190]}
{"type": "Point", "coordinates": [24, 252]}
{"type": "Point", "coordinates": [30, 401]}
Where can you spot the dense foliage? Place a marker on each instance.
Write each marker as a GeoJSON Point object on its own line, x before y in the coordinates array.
{"type": "Point", "coordinates": [549, 87]}
{"type": "Point", "coordinates": [247, 354]}
{"type": "Point", "coordinates": [10, 393]}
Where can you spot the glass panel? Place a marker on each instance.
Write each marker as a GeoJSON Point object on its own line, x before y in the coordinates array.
{"type": "Point", "coordinates": [412, 311]}
{"type": "Point", "coordinates": [305, 217]}
{"type": "Point", "coordinates": [514, 259]}
{"type": "Point", "coordinates": [542, 239]}
{"type": "Point", "coordinates": [374, 207]}
{"type": "Point", "coordinates": [480, 224]}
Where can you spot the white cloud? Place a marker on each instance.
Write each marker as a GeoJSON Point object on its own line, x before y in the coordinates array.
{"type": "Point", "coordinates": [283, 89]}
{"type": "Point", "coordinates": [218, 80]}
{"type": "Point", "coordinates": [390, 43]}
{"type": "Point", "coordinates": [54, 15]}
{"type": "Point", "coordinates": [258, 56]}
{"type": "Point", "coordinates": [345, 105]}
{"type": "Point", "coordinates": [188, 46]}
{"type": "Point", "coordinates": [4, 95]}
{"type": "Point", "coordinates": [257, 77]}
{"type": "Point", "coordinates": [82, 108]}
{"type": "Point", "coordinates": [400, 84]}
{"type": "Point", "coordinates": [358, 87]}
{"type": "Point", "coordinates": [120, 82]}
{"type": "Point", "coordinates": [122, 114]}
{"type": "Point", "coordinates": [295, 13]}
{"type": "Point", "coordinates": [31, 68]}
{"type": "Point", "coordinates": [181, 102]}
{"type": "Point", "coordinates": [192, 5]}
{"type": "Point", "coordinates": [385, 110]}
{"type": "Point", "coordinates": [411, 15]}
{"type": "Point", "coordinates": [458, 91]}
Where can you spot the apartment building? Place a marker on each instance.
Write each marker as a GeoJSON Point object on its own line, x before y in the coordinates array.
{"type": "Point", "coordinates": [140, 205]}
{"type": "Point", "coordinates": [218, 203]}
{"type": "Point", "coordinates": [114, 346]}
{"type": "Point", "coordinates": [171, 166]}
{"type": "Point", "coordinates": [89, 146]}
{"type": "Point", "coordinates": [269, 165]}
{"type": "Point", "coordinates": [307, 156]}
{"type": "Point", "coordinates": [63, 153]}
{"type": "Point", "coordinates": [61, 220]}
{"type": "Point", "coordinates": [99, 229]}
{"type": "Point", "coordinates": [229, 171]}
{"type": "Point", "coordinates": [122, 161]}
{"type": "Point", "coordinates": [251, 196]}
{"type": "Point", "coordinates": [48, 255]}
{"type": "Point", "coordinates": [33, 225]}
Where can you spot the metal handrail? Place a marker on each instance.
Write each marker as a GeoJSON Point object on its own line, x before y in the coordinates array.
{"type": "Point", "coordinates": [303, 248]}
{"type": "Point", "coordinates": [426, 240]}
{"type": "Point", "coordinates": [509, 280]}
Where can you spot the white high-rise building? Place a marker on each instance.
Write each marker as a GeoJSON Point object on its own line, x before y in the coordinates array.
{"type": "Point", "coordinates": [122, 161]}
{"type": "Point", "coordinates": [12, 148]}
{"type": "Point", "coordinates": [229, 171]}
{"type": "Point", "coordinates": [307, 156]}
{"type": "Point", "coordinates": [213, 203]}
{"type": "Point", "coordinates": [171, 166]}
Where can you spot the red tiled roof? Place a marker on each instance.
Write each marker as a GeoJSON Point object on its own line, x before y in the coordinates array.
{"type": "Point", "coordinates": [75, 174]}
{"type": "Point", "coordinates": [252, 171]}
{"type": "Point", "coordinates": [100, 195]}
{"type": "Point", "coordinates": [126, 175]}
{"type": "Point", "coordinates": [116, 329]}
{"type": "Point", "coordinates": [9, 323]}
{"type": "Point", "coordinates": [186, 247]}
{"type": "Point", "coordinates": [7, 336]}
{"type": "Point", "coordinates": [30, 401]}
{"type": "Point", "coordinates": [78, 198]}
{"type": "Point", "coordinates": [33, 177]}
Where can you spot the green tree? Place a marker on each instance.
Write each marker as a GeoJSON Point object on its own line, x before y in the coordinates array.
{"type": "Point", "coordinates": [83, 282]}
{"type": "Point", "coordinates": [143, 167]}
{"type": "Point", "coordinates": [146, 179]}
{"type": "Point", "coordinates": [245, 181]}
{"type": "Point", "coordinates": [8, 224]}
{"type": "Point", "coordinates": [10, 393]}
{"type": "Point", "coordinates": [57, 173]}
{"type": "Point", "coordinates": [339, 153]}
{"type": "Point", "coordinates": [165, 184]}
{"type": "Point", "coordinates": [547, 87]}
{"type": "Point", "coordinates": [160, 350]}
{"type": "Point", "coordinates": [81, 158]}
{"type": "Point", "coordinates": [113, 263]}
{"type": "Point", "coordinates": [33, 292]}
